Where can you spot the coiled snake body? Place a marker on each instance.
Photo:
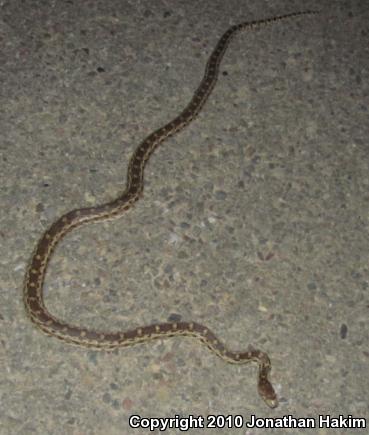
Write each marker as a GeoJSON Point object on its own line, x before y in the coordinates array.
{"type": "Point", "coordinates": [33, 289]}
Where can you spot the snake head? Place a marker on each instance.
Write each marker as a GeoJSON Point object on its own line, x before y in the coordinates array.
{"type": "Point", "coordinates": [267, 392]}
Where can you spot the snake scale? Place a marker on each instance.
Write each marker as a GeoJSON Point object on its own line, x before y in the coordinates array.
{"type": "Point", "coordinates": [35, 276]}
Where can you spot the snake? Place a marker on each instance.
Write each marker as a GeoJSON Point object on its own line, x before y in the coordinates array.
{"type": "Point", "coordinates": [102, 340]}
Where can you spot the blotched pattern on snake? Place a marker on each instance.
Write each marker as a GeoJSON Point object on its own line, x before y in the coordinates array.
{"type": "Point", "coordinates": [33, 289]}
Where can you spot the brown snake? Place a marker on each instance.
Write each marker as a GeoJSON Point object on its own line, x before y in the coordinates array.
{"type": "Point", "coordinates": [35, 276]}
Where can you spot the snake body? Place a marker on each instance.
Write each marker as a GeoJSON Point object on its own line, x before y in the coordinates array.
{"type": "Point", "coordinates": [35, 276]}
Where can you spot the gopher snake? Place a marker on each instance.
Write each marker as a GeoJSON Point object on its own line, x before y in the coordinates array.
{"type": "Point", "coordinates": [33, 289]}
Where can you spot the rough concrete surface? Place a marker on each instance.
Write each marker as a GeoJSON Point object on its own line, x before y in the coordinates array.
{"type": "Point", "coordinates": [254, 220]}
